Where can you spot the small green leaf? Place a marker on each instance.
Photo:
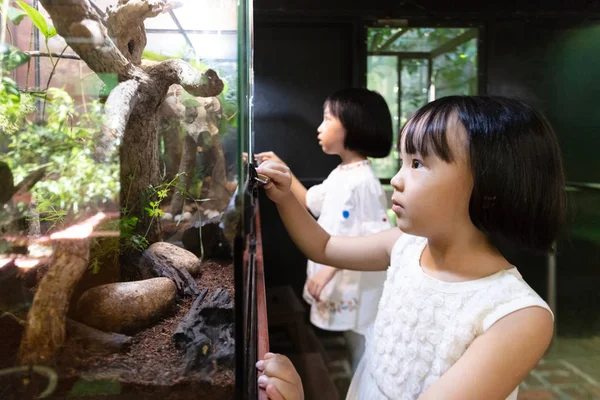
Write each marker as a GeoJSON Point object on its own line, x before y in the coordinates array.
{"type": "Point", "coordinates": [148, 55]}
{"type": "Point", "coordinates": [51, 32]}
{"type": "Point", "coordinates": [15, 15]}
{"type": "Point", "coordinates": [110, 82]}
{"type": "Point", "coordinates": [11, 57]}
{"type": "Point", "coordinates": [37, 18]}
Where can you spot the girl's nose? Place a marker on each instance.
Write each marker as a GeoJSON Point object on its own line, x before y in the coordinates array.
{"type": "Point", "coordinates": [397, 181]}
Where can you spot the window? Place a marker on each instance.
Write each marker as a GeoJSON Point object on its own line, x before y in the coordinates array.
{"type": "Point", "coordinates": [412, 66]}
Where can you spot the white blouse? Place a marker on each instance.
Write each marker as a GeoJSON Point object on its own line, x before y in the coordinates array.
{"type": "Point", "coordinates": [350, 202]}
{"type": "Point", "coordinates": [425, 325]}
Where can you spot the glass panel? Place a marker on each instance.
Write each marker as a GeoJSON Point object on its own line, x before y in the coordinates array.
{"type": "Point", "coordinates": [119, 163]}
{"type": "Point", "coordinates": [208, 15]}
{"type": "Point", "coordinates": [168, 45]}
{"type": "Point", "coordinates": [411, 39]}
{"type": "Point", "coordinates": [435, 62]}
{"type": "Point", "coordinates": [162, 21]}
{"type": "Point", "coordinates": [415, 85]}
{"type": "Point", "coordinates": [382, 76]}
{"type": "Point", "coordinates": [455, 72]}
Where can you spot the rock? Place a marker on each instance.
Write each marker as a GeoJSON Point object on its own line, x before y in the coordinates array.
{"type": "Point", "coordinates": [187, 216]}
{"type": "Point", "coordinates": [153, 264]}
{"type": "Point", "coordinates": [167, 217]}
{"type": "Point", "coordinates": [126, 307]}
{"type": "Point", "coordinates": [214, 242]}
{"type": "Point", "coordinates": [95, 341]}
{"type": "Point", "coordinates": [212, 214]}
{"type": "Point", "coordinates": [176, 257]}
{"type": "Point", "coordinates": [206, 334]}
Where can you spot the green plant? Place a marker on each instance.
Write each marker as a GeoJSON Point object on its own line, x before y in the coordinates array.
{"type": "Point", "coordinates": [38, 20]}
{"type": "Point", "coordinates": [14, 107]}
{"type": "Point", "coordinates": [45, 29]}
{"type": "Point", "coordinates": [151, 201]}
{"type": "Point", "coordinates": [65, 146]}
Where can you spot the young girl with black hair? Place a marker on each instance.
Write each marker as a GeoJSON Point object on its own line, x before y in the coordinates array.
{"type": "Point", "coordinates": [456, 320]}
{"type": "Point", "coordinates": [350, 202]}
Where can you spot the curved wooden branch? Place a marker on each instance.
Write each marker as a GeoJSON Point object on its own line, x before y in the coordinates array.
{"type": "Point", "coordinates": [121, 101]}
{"type": "Point", "coordinates": [82, 28]}
{"type": "Point", "coordinates": [125, 24]}
{"type": "Point", "coordinates": [45, 332]}
{"type": "Point", "coordinates": [204, 84]}
{"type": "Point", "coordinates": [53, 55]}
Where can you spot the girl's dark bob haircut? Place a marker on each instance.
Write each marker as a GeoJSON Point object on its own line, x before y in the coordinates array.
{"type": "Point", "coordinates": [519, 184]}
{"type": "Point", "coordinates": [366, 118]}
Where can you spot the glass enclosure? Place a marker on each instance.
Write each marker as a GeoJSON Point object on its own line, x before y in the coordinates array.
{"type": "Point", "coordinates": [122, 127]}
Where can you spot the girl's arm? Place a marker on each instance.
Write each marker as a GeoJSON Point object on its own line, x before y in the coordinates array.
{"type": "Point", "coordinates": [297, 188]}
{"type": "Point", "coordinates": [370, 253]}
{"type": "Point", "coordinates": [497, 361]}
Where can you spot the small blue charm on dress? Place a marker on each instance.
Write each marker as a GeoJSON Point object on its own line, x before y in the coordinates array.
{"type": "Point", "coordinates": [345, 214]}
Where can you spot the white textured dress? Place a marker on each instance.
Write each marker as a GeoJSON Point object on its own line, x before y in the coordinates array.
{"type": "Point", "coordinates": [350, 202]}
{"type": "Point", "coordinates": [425, 325]}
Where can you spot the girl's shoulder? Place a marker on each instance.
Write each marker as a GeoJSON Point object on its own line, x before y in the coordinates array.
{"type": "Point", "coordinates": [406, 248]}
{"type": "Point", "coordinates": [409, 242]}
{"type": "Point", "coordinates": [510, 293]}
{"type": "Point", "coordinates": [363, 179]}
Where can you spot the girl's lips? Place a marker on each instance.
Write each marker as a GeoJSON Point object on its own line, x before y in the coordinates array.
{"type": "Point", "coordinates": [396, 207]}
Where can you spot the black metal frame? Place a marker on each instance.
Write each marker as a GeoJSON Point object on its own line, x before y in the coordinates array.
{"type": "Point", "coordinates": [245, 373]}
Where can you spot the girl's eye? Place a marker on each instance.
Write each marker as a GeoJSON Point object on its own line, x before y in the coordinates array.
{"type": "Point", "coordinates": [416, 164]}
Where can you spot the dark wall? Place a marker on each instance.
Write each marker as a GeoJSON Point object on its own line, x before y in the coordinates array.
{"type": "Point", "coordinates": [297, 64]}
{"type": "Point", "coordinates": [556, 67]}
{"type": "Point", "coordinates": [553, 63]}
{"type": "Point", "coordinates": [558, 70]}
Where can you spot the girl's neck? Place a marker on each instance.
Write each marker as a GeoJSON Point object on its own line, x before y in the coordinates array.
{"type": "Point", "coordinates": [349, 157]}
{"type": "Point", "coordinates": [464, 258]}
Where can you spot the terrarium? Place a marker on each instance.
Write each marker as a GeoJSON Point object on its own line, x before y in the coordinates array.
{"type": "Point", "coordinates": [122, 195]}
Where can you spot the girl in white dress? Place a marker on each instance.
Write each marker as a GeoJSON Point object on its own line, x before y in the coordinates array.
{"type": "Point", "coordinates": [456, 320]}
{"type": "Point", "coordinates": [350, 202]}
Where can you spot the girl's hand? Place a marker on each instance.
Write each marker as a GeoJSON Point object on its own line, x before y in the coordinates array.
{"type": "Point", "coordinates": [268, 156]}
{"type": "Point", "coordinates": [279, 378]}
{"type": "Point", "coordinates": [319, 280]}
{"type": "Point", "coordinates": [281, 180]}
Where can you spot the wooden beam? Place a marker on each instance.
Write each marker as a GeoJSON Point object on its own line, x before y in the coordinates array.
{"type": "Point", "coordinates": [402, 54]}
{"type": "Point", "coordinates": [452, 44]}
{"type": "Point", "coordinates": [392, 39]}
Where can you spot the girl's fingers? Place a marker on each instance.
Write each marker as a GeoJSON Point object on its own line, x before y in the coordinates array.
{"type": "Point", "coordinates": [276, 174]}
{"type": "Point", "coordinates": [273, 393]}
{"type": "Point", "coordinates": [272, 165]}
{"type": "Point", "coordinates": [279, 389]}
{"type": "Point", "coordinates": [310, 287]}
{"type": "Point", "coordinates": [260, 364]}
{"type": "Point", "coordinates": [280, 367]}
{"type": "Point", "coordinates": [318, 291]}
